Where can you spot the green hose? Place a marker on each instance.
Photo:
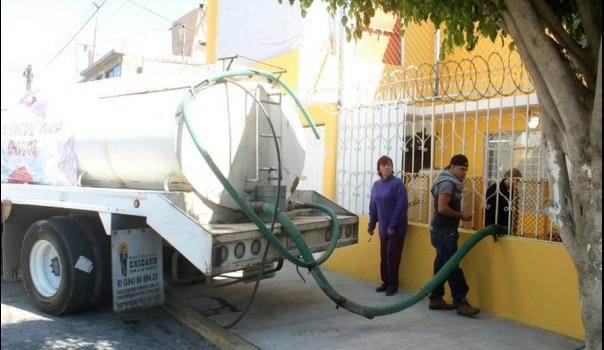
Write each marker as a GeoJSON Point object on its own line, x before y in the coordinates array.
{"type": "Point", "coordinates": [252, 72]}
{"type": "Point", "coordinates": [309, 262]}
{"type": "Point", "coordinates": [372, 311]}
{"type": "Point", "coordinates": [295, 234]}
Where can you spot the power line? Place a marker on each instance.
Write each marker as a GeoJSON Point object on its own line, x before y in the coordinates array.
{"type": "Point", "coordinates": [151, 11]}
{"type": "Point", "coordinates": [98, 7]}
{"type": "Point", "coordinates": [78, 23]}
{"type": "Point", "coordinates": [113, 14]}
{"type": "Point", "coordinates": [134, 34]}
{"type": "Point", "coordinates": [37, 59]}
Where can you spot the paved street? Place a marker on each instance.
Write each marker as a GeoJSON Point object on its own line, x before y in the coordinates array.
{"type": "Point", "coordinates": [24, 327]}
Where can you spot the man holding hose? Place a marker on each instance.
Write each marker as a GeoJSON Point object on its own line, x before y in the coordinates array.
{"type": "Point", "coordinates": [447, 192]}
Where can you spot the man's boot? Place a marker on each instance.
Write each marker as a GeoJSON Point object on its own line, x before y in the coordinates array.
{"type": "Point", "coordinates": [440, 304]}
{"type": "Point", "coordinates": [465, 309]}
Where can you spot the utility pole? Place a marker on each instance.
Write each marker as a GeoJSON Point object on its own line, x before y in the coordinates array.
{"type": "Point", "coordinates": [183, 39]}
{"type": "Point", "coordinates": [29, 77]}
{"type": "Point", "coordinates": [96, 21]}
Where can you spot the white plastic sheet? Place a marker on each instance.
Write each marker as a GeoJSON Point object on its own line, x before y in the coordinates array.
{"type": "Point", "coordinates": [258, 29]}
{"type": "Point", "coordinates": [36, 148]}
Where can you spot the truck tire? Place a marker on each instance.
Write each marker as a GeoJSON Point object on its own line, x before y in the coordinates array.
{"type": "Point", "coordinates": [56, 261]}
{"type": "Point", "coordinates": [100, 245]}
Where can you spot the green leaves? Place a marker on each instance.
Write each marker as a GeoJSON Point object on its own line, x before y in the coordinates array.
{"type": "Point", "coordinates": [465, 20]}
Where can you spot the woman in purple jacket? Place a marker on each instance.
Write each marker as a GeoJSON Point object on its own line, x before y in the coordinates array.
{"type": "Point", "coordinates": [388, 206]}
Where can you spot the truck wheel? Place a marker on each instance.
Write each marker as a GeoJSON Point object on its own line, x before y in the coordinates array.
{"type": "Point", "coordinates": [100, 245]}
{"type": "Point", "coordinates": [56, 261]}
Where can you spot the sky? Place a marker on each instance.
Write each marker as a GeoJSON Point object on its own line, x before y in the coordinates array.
{"type": "Point", "coordinates": [35, 31]}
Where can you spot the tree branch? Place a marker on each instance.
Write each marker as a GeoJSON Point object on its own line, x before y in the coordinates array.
{"type": "Point", "coordinates": [581, 55]}
{"type": "Point", "coordinates": [543, 92]}
{"type": "Point", "coordinates": [590, 78]}
{"type": "Point", "coordinates": [565, 92]}
{"type": "Point", "coordinates": [591, 20]}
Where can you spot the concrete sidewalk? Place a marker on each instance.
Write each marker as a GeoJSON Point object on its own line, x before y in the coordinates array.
{"type": "Point", "coordinates": [288, 313]}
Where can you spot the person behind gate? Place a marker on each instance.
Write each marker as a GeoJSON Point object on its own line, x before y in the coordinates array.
{"type": "Point", "coordinates": [502, 201]}
{"type": "Point", "coordinates": [388, 206]}
{"type": "Point", "coordinates": [447, 192]}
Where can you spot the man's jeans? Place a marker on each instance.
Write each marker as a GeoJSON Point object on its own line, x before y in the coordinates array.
{"type": "Point", "coordinates": [445, 242]}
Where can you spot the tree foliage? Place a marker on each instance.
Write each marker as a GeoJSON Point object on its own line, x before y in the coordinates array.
{"type": "Point", "coordinates": [469, 20]}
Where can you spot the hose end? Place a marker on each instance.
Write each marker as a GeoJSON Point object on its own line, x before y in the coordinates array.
{"type": "Point", "coordinates": [499, 230]}
{"type": "Point", "coordinates": [293, 205]}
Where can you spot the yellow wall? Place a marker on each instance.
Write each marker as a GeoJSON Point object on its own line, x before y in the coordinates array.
{"type": "Point", "coordinates": [529, 281]}
{"type": "Point", "coordinates": [419, 44]}
{"type": "Point", "coordinates": [288, 61]}
{"type": "Point", "coordinates": [485, 48]}
{"type": "Point", "coordinates": [212, 20]}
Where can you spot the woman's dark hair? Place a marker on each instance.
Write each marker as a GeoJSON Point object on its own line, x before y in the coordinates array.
{"type": "Point", "coordinates": [382, 161]}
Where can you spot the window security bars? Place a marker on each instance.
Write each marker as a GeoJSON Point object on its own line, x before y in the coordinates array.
{"type": "Point", "coordinates": [497, 128]}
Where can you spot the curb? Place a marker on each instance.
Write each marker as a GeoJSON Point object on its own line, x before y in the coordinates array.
{"type": "Point", "coordinates": [207, 328]}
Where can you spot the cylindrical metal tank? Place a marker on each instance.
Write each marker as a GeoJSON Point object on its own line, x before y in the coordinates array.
{"type": "Point", "coordinates": [128, 133]}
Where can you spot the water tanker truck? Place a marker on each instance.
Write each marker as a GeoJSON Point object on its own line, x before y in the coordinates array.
{"type": "Point", "coordinates": [113, 186]}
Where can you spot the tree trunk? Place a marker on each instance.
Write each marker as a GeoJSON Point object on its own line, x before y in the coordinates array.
{"type": "Point", "coordinates": [577, 207]}
{"type": "Point", "coordinates": [582, 232]}
{"type": "Point", "coordinates": [590, 284]}
{"type": "Point", "coordinates": [589, 242]}
{"type": "Point", "coordinates": [587, 250]}
{"type": "Point", "coordinates": [572, 136]}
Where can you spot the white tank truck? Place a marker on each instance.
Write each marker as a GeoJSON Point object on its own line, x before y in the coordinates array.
{"type": "Point", "coordinates": [104, 189]}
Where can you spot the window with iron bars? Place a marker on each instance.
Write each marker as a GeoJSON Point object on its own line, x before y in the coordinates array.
{"type": "Point", "coordinates": [421, 139]}
{"type": "Point", "coordinates": [506, 150]}
{"type": "Point", "coordinates": [525, 205]}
